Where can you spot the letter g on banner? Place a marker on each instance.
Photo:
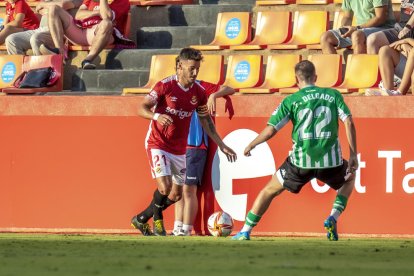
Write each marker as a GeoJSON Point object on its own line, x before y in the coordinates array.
{"type": "Point", "coordinates": [260, 163]}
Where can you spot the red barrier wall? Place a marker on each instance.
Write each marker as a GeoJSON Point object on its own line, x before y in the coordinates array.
{"type": "Point", "coordinates": [75, 164]}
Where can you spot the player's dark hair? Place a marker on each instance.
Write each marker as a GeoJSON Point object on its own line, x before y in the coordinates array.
{"type": "Point", "coordinates": [305, 70]}
{"type": "Point", "coordinates": [189, 54]}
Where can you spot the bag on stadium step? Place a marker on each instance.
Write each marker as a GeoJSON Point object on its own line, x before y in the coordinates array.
{"type": "Point", "coordinates": [37, 78]}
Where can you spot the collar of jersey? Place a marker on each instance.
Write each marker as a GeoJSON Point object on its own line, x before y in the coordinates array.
{"type": "Point", "coordinates": [182, 87]}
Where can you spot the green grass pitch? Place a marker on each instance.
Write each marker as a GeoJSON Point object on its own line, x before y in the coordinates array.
{"type": "Point", "coordinates": [41, 254]}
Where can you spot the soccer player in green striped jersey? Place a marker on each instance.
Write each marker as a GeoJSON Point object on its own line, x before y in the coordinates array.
{"type": "Point", "coordinates": [316, 153]}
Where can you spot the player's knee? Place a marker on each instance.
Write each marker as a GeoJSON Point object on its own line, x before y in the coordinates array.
{"type": "Point", "coordinates": [105, 27]}
{"type": "Point", "coordinates": [358, 38]}
{"type": "Point", "coordinates": [175, 196]}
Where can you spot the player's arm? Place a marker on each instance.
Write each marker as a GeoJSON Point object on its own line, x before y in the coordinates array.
{"type": "Point", "coordinates": [208, 126]}
{"type": "Point", "coordinates": [83, 12]}
{"type": "Point", "coordinates": [268, 132]}
{"type": "Point", "coordinates": [351, 136]}
{"type": "Point", "coordinates": [145, 111]}
{"type": "Point", "coordinates": [222, 92]}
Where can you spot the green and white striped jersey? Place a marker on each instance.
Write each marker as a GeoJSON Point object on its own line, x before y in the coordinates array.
{"type": "Point", "coordinates": [314, 112]}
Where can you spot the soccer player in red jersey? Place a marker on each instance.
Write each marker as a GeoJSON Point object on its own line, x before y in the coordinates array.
{"type": "Point", "coordinates": [170, 106]}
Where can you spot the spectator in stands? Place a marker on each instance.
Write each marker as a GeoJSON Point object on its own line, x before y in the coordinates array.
{"type": "Point", "coordinates": [196, 156]}
{"type": "Point", "coordinates": [396, 63]}
{"type": "Point", "coordinates": [96, 24]}
{"type": "Point", "coordinates": [402, 29]}
{"type": "Point", "coordinates": [19, 17]}
{"type": "Point", "coordinates": [371, 16]}
{"type": "Point", "coordinates": [19, 43]}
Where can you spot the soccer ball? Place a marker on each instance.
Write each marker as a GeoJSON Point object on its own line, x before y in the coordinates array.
{"type": "Point", "coordinates": [220, 224]}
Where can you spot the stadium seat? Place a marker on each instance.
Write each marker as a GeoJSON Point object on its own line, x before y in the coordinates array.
{"type": "Point", "coordinates": [10, 68]}
{"type": "Point", "coordinates": [280, 73]}
{"type": "Point", "coordinates": [159, 2]}
{"type": "Point", "coordinates": [162, 66]}
{"type": "Point", "coordinates": [274, 2]}
{"type": "Point", "coordinates": [34, 62]}
{"type": "Point", "coordinates": [308, 26]}
{"type": "Point", "coordinates": [313, 2]}
{"type": "Point", "coordinates": [337, 23]}
{"type": "Point", "coordinates": [2, 16]}
{"type": "Point", "coordinates": [331, 77]}
{"type": "Point", "coordinates": [244, 71]}
{"type": "Point", "coordinates": [272, 27]}
{"type": "Point", "coordinates": [125, 32]}
{"type": "Point", "coordinates": [31, 3]}
{"type": "Point", "coordinates": [361, 72]}
{"type": "Point", "coordinates": [232, 28]}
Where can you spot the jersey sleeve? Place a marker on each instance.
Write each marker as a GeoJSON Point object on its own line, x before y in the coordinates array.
{"type": "Point", "coordinates": [202, 109]}
{"type": "Point", "coordinates": [342, 108]}
{"type": "Point", "coordinates": [19, 7]}
{"type": "Point", "coordinates": [157, 91]}
{"type": "Point", "coordinates": [346, 5]}
{"type": "Point", "coordinates": [209, 87]}
{"type": "Point", "coordinates": [380, 3]}
{"type": "Point", "coordinates": [281, 116]}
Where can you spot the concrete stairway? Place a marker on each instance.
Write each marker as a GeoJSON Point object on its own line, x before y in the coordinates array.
{"type": "Point", "coordinates": [157, 30]}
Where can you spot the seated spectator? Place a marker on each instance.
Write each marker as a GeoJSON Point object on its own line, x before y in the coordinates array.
{"type": "Point", "coordinates": [371, 16]}
{"type": "Point", "coordinates": [396, 63]}
{"type": "Point", "coordinates": [402, 29]}
{"type": "Point", "coordinates": [19, 17]}
{"type": "Point", "coordinates": [96, 23]}
{"type": "Point", "coordinates": [19, 43]}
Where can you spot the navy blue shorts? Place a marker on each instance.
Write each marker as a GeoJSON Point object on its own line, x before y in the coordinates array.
{"type": "Point", "coordinates": [195, 162]}
{"type": "Point", "coordinates": [294, 178]}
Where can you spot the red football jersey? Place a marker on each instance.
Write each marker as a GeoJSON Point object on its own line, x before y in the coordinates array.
{"type": "Point", "coordinates": [179, 103]}
{"type": "Point", "coordinates": [30, 21]}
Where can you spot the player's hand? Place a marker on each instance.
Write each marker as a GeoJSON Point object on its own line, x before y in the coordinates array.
{"type": "Point", "coordinates": [397, 44]}
{"type": "Point", "coordinates": [165, 120]}
{"type": "Point", "coordinates": [230, 154]}
{"type": "Point", "coordinates": [353, 163]}
{"type": "Point", "coordinates": [405, 49]}
{"type": "Point", "coordinates": [247, 150]}
{"type": "Point", "coordinates": [211, 104]}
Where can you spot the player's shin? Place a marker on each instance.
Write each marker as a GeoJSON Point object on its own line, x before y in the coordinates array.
{"type": "Point", "coordinates": [339, 206]}
{"type": "Point", "coordinates": [251, 221]}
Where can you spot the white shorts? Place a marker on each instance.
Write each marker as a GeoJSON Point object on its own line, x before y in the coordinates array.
{"type": "Point", "coordinates": [164, 163]}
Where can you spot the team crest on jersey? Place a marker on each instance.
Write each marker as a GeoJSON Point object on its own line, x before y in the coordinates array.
{"type": "Point", "coordinates": [158, 170]}
{"type": "Point", "coordinates": [194, 100]}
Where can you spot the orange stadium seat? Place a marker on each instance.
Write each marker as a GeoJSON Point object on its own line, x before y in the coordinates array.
{"type": "Point", "coordinates": [313, 2]}
{"type": "Point", "coordinates": [244, 71]}
{"type": "Point", "coordinates": [361, 72]}
{"type": "Point", "coordinates": [308, 26]}
{"type": "Point", "coordinates": [34, 62]}
{"type": "Point", "coordinates": [159, 2]}
{"type": "Point", "coordinates": [337, 23]}
{"type": "Point", "coordinates": [272, 27]}
{"type": "Point", "coordinates": [232, 28]}
{"type": "Point", "coordinates": [328, 69]}
{"type": "Point", "coordinates": [125, 32]}
{"type": "Point", "coordinates": [2, 16]}
{"type": "Point", "coordinates": [280, 73]}
{"type": "Point", "coordinates": [10, 69]}
{"type": "Point", "coordinates": [161, 67]}
{"type": "Point", "coordinates": [274, 2]}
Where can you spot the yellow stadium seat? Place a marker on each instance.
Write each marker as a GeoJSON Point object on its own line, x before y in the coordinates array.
{"type": "Point", "coordinates": [361, 72]}
{"type": "Point", "coordinates": [331, 77]}
{"type": "Point", "coordinates": [10, 68]}
{"type": "Point", "coordinates": [212, 69]}
{"type": "Point", "coordinates": [337, 23]}
{"type": "Point", "coordinates": [272, 27]}
{"type": "Point", "coordinates": [313, 2]}
{"type": "Point", "coordinates": [233, 28]}
{"type": "Point", "coordinates": [280, 73]}
{"type": "Point", "coordinates": [308, 26]}
{"type": "Point", "coordinates": [161, 67]}
{"type": "Point", "coordinates": [244, 71]}
{"type": "Point", "coordinates": [274, 2]}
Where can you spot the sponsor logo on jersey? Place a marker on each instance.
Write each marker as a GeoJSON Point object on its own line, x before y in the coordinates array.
{"type": "Point", "coordinates": [180, 113]}
{"type": "Point", "coordinates": [157, 170]}
{"type": "Point", "coordinates": [173, 99]}
{"type": "Point", "coordinates": [194, 100]}
{"type": "Point", "coordinates": [192, 177]}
